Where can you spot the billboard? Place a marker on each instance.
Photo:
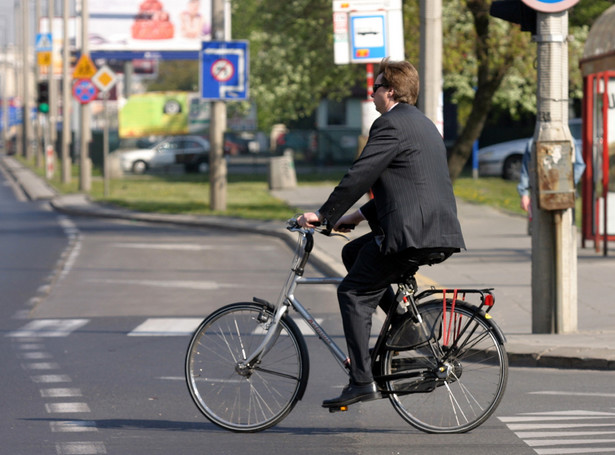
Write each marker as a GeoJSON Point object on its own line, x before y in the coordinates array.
{"type": "Point", "coordinates": [148, 25]}
{"type": "Point", "coordinates": [163, 114]}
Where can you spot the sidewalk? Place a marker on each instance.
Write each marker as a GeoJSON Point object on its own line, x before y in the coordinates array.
{"type": "Point", "coordinates": [498, 256]}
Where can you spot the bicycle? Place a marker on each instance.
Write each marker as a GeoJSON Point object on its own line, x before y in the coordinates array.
{"type": "Point", "coordinates": [441, 362]}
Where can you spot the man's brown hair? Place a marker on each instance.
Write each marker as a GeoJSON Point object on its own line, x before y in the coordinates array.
{"type": "Point", "coordinates": [402, 77]}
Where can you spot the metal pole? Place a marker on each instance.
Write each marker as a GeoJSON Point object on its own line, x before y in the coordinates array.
{"type": "Point", "coordinates": [66, 104]}
{"type": "Point", "coordinates": [105, 145]}
{"type": "Point", "coordinates": [39, 127]}
{"type": "Point", "coordinates": [85, 167]}
{"type": "Point", "coordinates": [430, 68]}
{"type": "Point", "coordinates": [52, 124]}
{"type": "Point", "coordinates": [25, 68]}
{"type": "Point", "coordinates": [217, 164]}
{"type": "Point", "coordinates": [5, 98]}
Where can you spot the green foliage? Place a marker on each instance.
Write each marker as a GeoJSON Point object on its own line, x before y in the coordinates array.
{"type": "Point", "coordinates": [291, 58]}
{"type": "Point", "coordinates": [176, 75]}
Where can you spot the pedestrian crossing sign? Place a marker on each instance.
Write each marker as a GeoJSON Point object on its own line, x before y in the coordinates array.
{"type": "Point", "coordinates": [43, 42]}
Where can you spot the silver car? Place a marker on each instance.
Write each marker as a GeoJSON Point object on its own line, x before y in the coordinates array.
{"type": "Point", "coordinates": [191, 152]}
{"type": "Point", "coordinates": [504, 159]}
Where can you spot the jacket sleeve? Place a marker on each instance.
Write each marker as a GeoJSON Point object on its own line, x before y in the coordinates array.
{"type": "Point", "coordinates": [381, 148]}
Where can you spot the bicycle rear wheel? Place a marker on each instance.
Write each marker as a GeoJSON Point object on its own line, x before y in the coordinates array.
{"type": "Point", "coordinates": [245, 399]}
{"type": "Point", "coordinates": [455, 390]}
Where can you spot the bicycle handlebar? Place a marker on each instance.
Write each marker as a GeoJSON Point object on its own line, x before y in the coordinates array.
{"type": "Point", "coordinates": [293, 226]}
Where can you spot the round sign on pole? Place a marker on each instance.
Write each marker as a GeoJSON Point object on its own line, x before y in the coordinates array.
{"type": "Point", "coordinates": [84, 90]}
{"type": "Point", "coordinates": [222, 70]}
{"type": "Point", "coordinates": [550, 6]}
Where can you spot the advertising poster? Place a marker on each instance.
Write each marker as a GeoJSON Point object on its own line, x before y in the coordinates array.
{"type": "Point", "coordinates": [164, 114]}
{"type": "Point", "coordinates": [148, 25]}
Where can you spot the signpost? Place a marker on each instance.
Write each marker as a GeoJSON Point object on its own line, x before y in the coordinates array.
{"type": "Point", "coordinates": [105, 79]}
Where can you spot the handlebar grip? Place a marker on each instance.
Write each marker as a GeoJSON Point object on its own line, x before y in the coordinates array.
{"type": "Point", "coordinates": [350, 227]}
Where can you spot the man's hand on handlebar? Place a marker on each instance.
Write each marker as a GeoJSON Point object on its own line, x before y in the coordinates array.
{"type": "Point", "coordinates": [309, 220]}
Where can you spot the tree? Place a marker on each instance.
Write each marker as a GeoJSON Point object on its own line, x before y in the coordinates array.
{"type": "Point", "coordinates": [291, 57]}
{"type": "Point", "coordinates": [489, 49]}
{"type": "Point", "coordinates": [489, 63]}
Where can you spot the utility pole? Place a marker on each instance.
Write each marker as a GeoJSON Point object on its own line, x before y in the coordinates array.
{"type": "Point", "coordinates": [66, 101]}
{"type": "Point", "coordinates": [430, 68]}
{"type": "Point", "coordinates": [51, 124]}
{"type": "Point", "coordinates": [554, 241]}
{"type": "Point", "coordinates": [25, 72]}
{"type": "Point", "coordinates": [217, 164]}
{"type": "Point", "coordinates": [85, 166]}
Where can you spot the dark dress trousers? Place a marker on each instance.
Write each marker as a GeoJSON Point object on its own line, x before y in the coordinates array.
{"type": "Point", "coordinates": [413, 211]}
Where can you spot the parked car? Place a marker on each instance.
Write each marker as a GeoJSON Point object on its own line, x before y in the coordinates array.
{"type": "Point", "coordinates": [504, 159]}
{"type": "Point", "coordinates": [190, 151]}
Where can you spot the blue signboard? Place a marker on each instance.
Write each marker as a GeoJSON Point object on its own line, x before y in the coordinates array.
{"type": "Point", "coordinates": [368, 37]}
{"type": "Point", "coordinates": [223, 70]}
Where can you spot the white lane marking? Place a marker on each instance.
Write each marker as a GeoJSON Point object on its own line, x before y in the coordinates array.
{"type": "Point", "coordinates": [66, 407]}
{"type": "Point", "coordinates": [187, 326]}
{"type": "Point", "coordinates": [48, 328]}
{"type": "Point", "coordinates": [559, 434]}
{"type": "Point", "coordinates": [555, 426]}
{"type": "Point", "coordinates": [180, 284]}
{"type": "Point", "coordinates": [80, 448]}
{"type": "Point", "coordinates": [557, 442]}
{"type": "Point", "coordinates": [186, 246]}
{"type": "Point", "coordinates": [567, 451]}
{"type": "Point", "coordinates": [72, 426]}
{"type": "Point", "coordinates": [60, 392]}
{"type": "Point", "coordinates": [41, 366]}
{"type": "Point", "coordinates": [166, 327]}
{"type": "Point", "coordinates": [50, 378]}
{"type": "Point", "coordinates": [577, 394]}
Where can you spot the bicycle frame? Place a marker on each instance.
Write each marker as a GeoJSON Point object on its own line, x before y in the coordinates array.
{"type": "Point", "coordinates": [287, 299]}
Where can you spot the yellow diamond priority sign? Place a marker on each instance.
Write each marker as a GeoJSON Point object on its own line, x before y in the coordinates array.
{"type": "Point", "coordinates": [85, 68]}
{"type": "Point", "coordinates": [104, 78]}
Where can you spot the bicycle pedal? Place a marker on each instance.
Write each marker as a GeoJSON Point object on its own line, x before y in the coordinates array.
{"type": "Point", "coordinates": [339, 409]}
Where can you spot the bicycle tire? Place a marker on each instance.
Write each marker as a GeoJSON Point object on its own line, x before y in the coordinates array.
{"type": "Point", "coordinates": [471, 389]}
{"type": "Point", "coordinates": [245, 401]}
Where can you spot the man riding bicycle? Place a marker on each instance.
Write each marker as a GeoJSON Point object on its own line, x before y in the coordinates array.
{"type": "Point", "coordinates": [412, 214]}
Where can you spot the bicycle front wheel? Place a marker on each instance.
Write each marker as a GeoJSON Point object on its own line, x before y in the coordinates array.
{"type": "Point", "coordinates": [459, 386]}
{"type": "Point", "coordinates": [233, 396]}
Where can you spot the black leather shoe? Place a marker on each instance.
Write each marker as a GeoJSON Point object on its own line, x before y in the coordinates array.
{"type": "Point", "coordinates": [354, 393]}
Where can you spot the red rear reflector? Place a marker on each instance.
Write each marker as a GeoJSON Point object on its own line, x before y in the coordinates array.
{"type": "Point", "coordinates": [489, 300]}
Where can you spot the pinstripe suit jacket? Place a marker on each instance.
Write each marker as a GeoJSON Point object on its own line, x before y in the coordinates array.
{"type": "Point", "coordinates": [404, 163]}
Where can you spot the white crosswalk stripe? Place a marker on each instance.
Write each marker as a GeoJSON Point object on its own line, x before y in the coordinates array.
{"type": "Point", "coordinates": [565, 432]}
{"type": "Point", "coordinates": [48, 328]}
{"type": "Point", "coordinates": [187, 326]}
{"type": "Point", "coordinates": [149, 327]}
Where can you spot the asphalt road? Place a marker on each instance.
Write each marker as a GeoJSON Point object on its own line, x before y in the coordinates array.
{"type": "Point", "coordinates": [96, 316]}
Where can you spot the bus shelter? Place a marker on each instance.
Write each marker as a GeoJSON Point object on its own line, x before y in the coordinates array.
{"type": "Point", "coordinates": [598, 184]}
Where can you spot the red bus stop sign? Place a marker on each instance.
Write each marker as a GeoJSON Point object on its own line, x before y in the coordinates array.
{"type": "Point", "coordinates": [550, 6]}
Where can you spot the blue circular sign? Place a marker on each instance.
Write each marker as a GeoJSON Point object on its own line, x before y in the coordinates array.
{"type": "Point", "coordinates": [84, 90]}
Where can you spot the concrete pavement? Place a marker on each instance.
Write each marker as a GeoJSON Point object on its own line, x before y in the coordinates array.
{"type": "Point", "coordinates": [498, 256]}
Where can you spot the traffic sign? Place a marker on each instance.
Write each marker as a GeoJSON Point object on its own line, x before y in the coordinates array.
{"type": "Point", "coordinates": [104, 78]}
{"type": "Point", "coordinates": [43, 58]}
{"type": "Point", "coordinates": [224, 70]}
{"type": "Point", "coordinates": [84, 90]}
{"type": "Point", "coordinates": [85, 68]}
{"type": "Point", "coordinates": [43, 42]}
{"type": "Point", "coordinates": [550, 6]}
